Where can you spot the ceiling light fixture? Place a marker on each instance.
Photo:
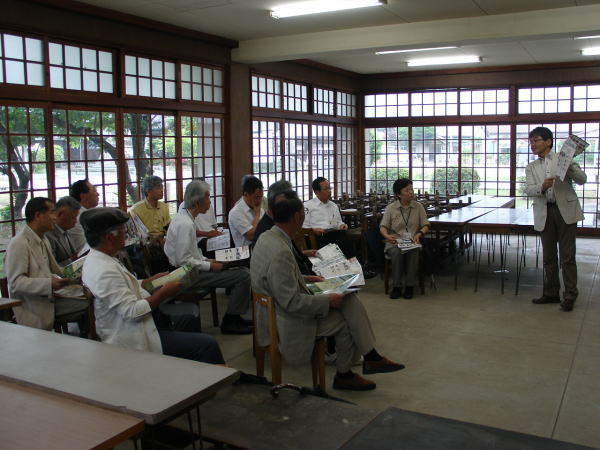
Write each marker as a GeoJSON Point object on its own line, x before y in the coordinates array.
{"type": "Point", "coordinates": [587, 37]}
{"type": "Point", "coordinates": [466, 59]}
{"type": "Point", "coordinates": [389, 52]}
{"type": "Point", "coordinates": [314, 7]}
{"type": "Point", "coordinates": [592, 51]}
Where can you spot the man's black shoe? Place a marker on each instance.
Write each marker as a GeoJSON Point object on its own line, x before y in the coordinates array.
{"type": "Point", "coordinates": [408, 292]}
{"type": "Point", "coordinates": [567, 304]}
{"type": "Point", "coordinates": [545, 299]}
{"type": "Point", "coordinates": [396, 292]}
{"type": "Point", "coordinates": [246, 322]}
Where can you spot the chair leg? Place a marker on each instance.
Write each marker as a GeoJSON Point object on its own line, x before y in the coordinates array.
{"type": "Point", "coordinates": [260, 361]}
{"type": "Point", "coordinates": [215, 308]}
{"type": "Point", "coordinates": [275, 365]}
{"type": "Point", "coordinates": [318, 364]}
{"type": "Point", "coordinates": [386, 276]}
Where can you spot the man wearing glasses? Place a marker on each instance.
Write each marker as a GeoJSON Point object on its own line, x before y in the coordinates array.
{"type": "Point", "coordinates": [556, 211]}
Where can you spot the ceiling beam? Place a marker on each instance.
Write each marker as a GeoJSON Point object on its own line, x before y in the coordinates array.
{"type": "Point", "coordinates": [559, 22]}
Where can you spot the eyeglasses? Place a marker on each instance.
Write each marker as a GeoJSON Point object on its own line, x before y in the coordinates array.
{"type": "Point", "coordinates": [537, 139]}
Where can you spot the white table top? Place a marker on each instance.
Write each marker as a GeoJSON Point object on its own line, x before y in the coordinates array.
{"type": "Point", "coordinates": [147, 385]}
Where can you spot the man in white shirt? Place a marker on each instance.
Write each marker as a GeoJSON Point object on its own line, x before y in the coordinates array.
{"type": "Point", "coordinates": [123, 308]}
{"type": "Point", "coordinates": [181, 248]}
{"type": "Point", "coordinates": [247, 212]}
{"type": "Point", "coordinates": [87, 195]}
{"type": "Point", "coordinates": [556, 211]}
{"type": "Point", "coordinates": [32, 271]}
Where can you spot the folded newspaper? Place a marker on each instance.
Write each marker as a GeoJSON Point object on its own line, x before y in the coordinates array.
{"type": "Point", "coordinates": [336, 285]}
{"type": "Point", "coordinates": [572, 147]}
{"type": "Point", "coordinates": [176, 275]}
{"type": "Point", "coordinates": [232, 254]}
{"type": "Point", "coordinates": [219, 242]}
{"type": "Point", "coordinates": [330, 262]}
{"type": "Point", "coordinates": [406, 245]}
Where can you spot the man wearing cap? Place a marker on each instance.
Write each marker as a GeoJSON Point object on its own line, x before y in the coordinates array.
{"type": "Point", "coordinates": [123, 308]}
{"type": "Point", "coordinates": [33, 273]}
{"type": "Point", "coordinates": [181, 248]}
{"type": "Point", "coordinates": [151, 211]}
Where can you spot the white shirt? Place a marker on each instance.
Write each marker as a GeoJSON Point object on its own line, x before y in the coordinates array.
{"type": "Point", "coordinates": [204, 221]}
{"type": "Point", "coordinates": [180, 245]}
{"type": "Point", "coordinates": [322, 215]}
{"type": "Point", "coordinates": [241, 218]}
{"type": "Point", "coordinates": [550, 172]}
{"type": "Point", "coordinates": [123, 316]}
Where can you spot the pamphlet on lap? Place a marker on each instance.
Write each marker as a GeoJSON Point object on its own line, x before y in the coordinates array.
{"type": "Point", "coordinates": [406, 245]}
{"type": "Point", "coordinates": [331, 262]}
{"type": "Point", "coordinates": [335, 285]}
{"type": "Point", "coordinates": [219, 242]}
{"type": "Point", "coordinates": [176, 275]}
{"type": "Point", "coordinates": [232, 254]}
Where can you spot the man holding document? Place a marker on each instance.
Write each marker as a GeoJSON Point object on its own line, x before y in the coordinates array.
{"type": "Point", "coordinates": [556, 211]}
{"type": "Point", "coordinates": [302, 316]}
{"type": "Point", "coordinates": [181, 248]}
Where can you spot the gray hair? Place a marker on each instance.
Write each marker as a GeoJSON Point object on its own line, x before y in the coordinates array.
{"type": "Point", "coordinates": [68, 202]}
{"type": "Point", "coordinates": [277, 188]}
{"type": "Point", "coordinates": [150, 183]}
{"type": "Point", "coordinates": [194, 192]}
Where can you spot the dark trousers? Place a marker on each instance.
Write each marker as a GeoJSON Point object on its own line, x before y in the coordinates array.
{"type": "Point", "coordinates": [558, 233]}
{"type": "Point", "coordinates": [188, 344]}
{"type": "Point", "coordinates": [340, 238]}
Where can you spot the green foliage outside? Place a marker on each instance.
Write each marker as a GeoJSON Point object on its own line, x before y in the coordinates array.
{"type": "Point", "coordinates": [447, 180]}
{"type": "Point", "coordinates": [383, 179]}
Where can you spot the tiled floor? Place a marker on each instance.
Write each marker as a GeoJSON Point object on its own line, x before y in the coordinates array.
{"type": "Point", "coordinates": [482, 357]}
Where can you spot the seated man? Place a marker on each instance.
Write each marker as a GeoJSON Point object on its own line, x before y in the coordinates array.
{"type": "Point", "coordinates": [123, 309]}
{"type": "Point", "coordinates": [301, 316]}
{"type": "Point", "coordinates": [153, 213]}
{"type": "Point", "coordinates": [87, 195]}
{"type": "Point", "coordinates": [244, 216]}
{"type": "Point", "coordinates": [32, 272]}
{"type": "Point", "coordinates": [405, 219]}
{"type": "Point", "coordinates": [275, 192]}
{"type": "Point", "coordinates": [67, 212]}
{"type": "Point", "coordinates": [181, 248]}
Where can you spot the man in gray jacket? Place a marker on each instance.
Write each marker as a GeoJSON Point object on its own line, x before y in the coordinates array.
{"type": "Point", "coordinates": [301, 316]}
{"type": "Point", "coordinates": [556, 211]}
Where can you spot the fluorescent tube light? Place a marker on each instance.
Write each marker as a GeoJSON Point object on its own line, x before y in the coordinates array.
{"type": "Point", "coordinates": [587, 37]}
{"type": "Point", "coordinates": [444, 60]}
{"type": "Point", "coordinates": [389, 52]}
{"type": "Point", "coordinates": [592, 51]}
{"type": "Point", "coordinates": [321, 6]}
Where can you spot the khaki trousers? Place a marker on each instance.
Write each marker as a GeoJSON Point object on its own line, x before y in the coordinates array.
{"type": "Point", "coordinates": [352, 329]}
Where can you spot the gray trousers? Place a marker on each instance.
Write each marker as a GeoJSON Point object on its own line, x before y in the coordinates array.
{"type": "Point", "coordinates": [402, 261]}
{"type": "Point", "coordinates": [352, 329]}
{"type": "Point", "coordinates": [69, 307]}
{"type": "Point", "coordinates": [557, 232]}
{"type": "Point", "coordinates": [236, 279]}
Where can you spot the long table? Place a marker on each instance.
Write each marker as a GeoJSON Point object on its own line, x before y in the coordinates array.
{"type": "Point", "coordinates": [147, 385]}
{"type": "Point", "coordinates": [495, 202]}
{"type": "Point", "coordinates": [34, 419]}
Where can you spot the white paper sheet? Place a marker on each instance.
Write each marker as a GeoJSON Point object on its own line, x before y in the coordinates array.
{"type": "Point", "coordinates": [219, 242]}
{"type": "Point", "coordinates": [233, 254]}
{"type": "Point", "coordinates": [572, 147]}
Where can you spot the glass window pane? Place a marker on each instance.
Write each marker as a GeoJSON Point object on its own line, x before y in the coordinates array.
{"type": "Point", "coordinates": [72, 58]}
{"type": "Point", "coordinates": [33, 49]}
{"type": "Point", "coordinates": [89, 59]}
{"type": "Point", "coordinates": [106, 83]}
{"type": "Point", "coordinates": [73, 79]}
{"type": "Point", "coordinates": [15, 72]}
{"type": "Point", "coordinates": [55, 51]}
{"type": "Point", "coordinates": [35, 74]}
{"type": "Point", "coordinates": [130, 65]}
{"type": "Point", "coordinates": [105, 59]}
{"type": "Point", "coordinates": [13, 46]}
{"type": "Point", "coordinates": [90, 81]}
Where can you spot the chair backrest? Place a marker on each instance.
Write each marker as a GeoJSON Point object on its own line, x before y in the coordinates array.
{"type": "Point", "coordinates": [4, 287]}
{"type": "Point", "coordinates": [91, 314]}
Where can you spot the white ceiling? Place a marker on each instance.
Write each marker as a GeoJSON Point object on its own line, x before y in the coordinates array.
{"type": "Point", "coordinates": [502, 32]}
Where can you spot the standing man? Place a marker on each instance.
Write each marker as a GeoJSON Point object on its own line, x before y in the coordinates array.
{"type": "Point", "coordinates": [32, 272]}
{"type": "Point", "coordinates": [67, 212]}
{"type": "Point", "coordinates": [556, 211]}
{"type": "Point", "coordinates": [87, 195]}
{"type": "Point", "coordinates": [247, 212]}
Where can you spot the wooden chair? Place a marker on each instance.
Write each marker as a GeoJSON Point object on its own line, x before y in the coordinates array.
{"type": "Point", "coordinates": [306, 239]}
{"type": "Point", "coordinates": [91, 315]}
{"type": "Point", "coordinates": [318, 354]}
{"type": "Point", "coordinates": [420, 274]}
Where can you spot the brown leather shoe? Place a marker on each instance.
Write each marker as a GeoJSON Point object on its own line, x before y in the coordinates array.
{"type": "Point", "coordinates": [384, 365]}
{"type": "Point", "coordinates": [567, 304]}
{"type": "Point", "coordinates": [356, 383]}
{"type": "Point", "coordinates": [545, 299]}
